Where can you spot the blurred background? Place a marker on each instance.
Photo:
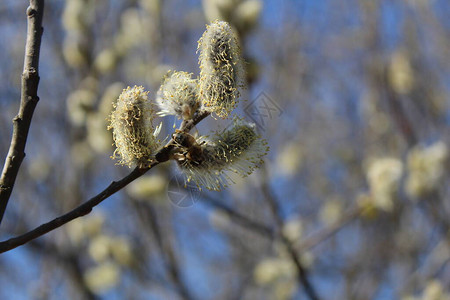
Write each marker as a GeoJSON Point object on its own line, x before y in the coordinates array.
{"type": "Point", "coordinates": [352, 202]}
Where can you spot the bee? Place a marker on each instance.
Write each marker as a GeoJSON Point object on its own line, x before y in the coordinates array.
{"type": "Point", "coordinates": [192, 150]}
{"type": "Point", "coordinates": [185, 148]}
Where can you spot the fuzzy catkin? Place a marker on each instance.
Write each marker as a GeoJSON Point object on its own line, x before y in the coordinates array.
{"type": "Point", "coordinates": [221, 71]}
{"type": "Point", "coordinates": [241, 147]}
{"type": "Point", "coordinates": [133, 131]}
{"type": "Point", "coordinates": [178, 95]}
{"type": "Point", "coordinates": [238, 149]}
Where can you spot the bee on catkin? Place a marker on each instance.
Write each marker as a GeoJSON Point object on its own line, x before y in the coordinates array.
{"type": "Point", "coordinates": [239, 149]}
{"type": "Point", "coordinates": [205, 168]}
{"type": "Point", "coordinates": [178, 95]}
{"type": "Point", "coordinates": [221, 71]}
{"type": "Point", "coordinates": [133, 132]}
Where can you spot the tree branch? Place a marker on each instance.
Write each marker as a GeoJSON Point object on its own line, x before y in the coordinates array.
{"type": "Point", "coordinates": [86, 207]}
{"type": "Point", "coordinates": [168, 254]}
{"type": "Point", "coordinates": [328, 231]}
{"type": "Point", "coordinates": [28, 102]}
{"type": "Point", "coordinates": [267, 232]}
{"type": "Point", "coordinates": [81, 210]}
{"type": "Point", "coordinates": [240, 219]}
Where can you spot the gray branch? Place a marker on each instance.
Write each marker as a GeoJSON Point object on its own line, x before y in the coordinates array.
{"type": "Point", "coordinates": [28, 102]}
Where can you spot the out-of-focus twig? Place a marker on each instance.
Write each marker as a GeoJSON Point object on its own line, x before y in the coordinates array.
{"type": "Point", "coordinates": [70, 262]}
{"type": "Point", "coordinates": [167, 251]}
{"type": "Point", "coordinates": [328, 231]}
{"type": "Point", "coordinates": [398, 114]}
{"type": "Point", "coordinates": [28, 102]}
{"type": "Point", "coordinates": [302, 274]}
{"type": "Point", "coordinates": [240, 219]}
{"type": "Point", "coordinates": [305, 244]}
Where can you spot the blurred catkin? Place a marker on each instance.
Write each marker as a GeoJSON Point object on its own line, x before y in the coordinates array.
{"type": "Point", "coordinates": [426, 168]}
{"type": "Point", "coordinates": [384, 175]}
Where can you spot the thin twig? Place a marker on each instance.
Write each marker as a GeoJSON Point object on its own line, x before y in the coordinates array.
{"type": "Point", "coordinates": [397, 111]}
{"type": "Point", "coordinates": [265, 231]}
{"type": "Point", "coordinates": [168, 253]}
{"type": "Point", "coordinates": [68, 261]}
{"type": "Point", "coordinates": [302, 274]}
{"type": "Point", "coordinates": [326, 232]}
{"type": "Point", "coordinates": [86, 207]}
{"type": "Point", "coordinates": [28, 102]}
{"type": "Point", "coordinates": [240, 219]}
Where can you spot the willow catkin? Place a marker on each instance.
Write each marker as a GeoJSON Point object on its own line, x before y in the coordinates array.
{"type": "Point", "coordinates": [178, 95]}
{"type": "Point", "coordinates": [241, 147]}
{"type": "Point", "coordinates": [221, 72]}
{"type": "Point", "coordinates": [133, 131]}
{"type": "Point", "coordinates": [238, 148]}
